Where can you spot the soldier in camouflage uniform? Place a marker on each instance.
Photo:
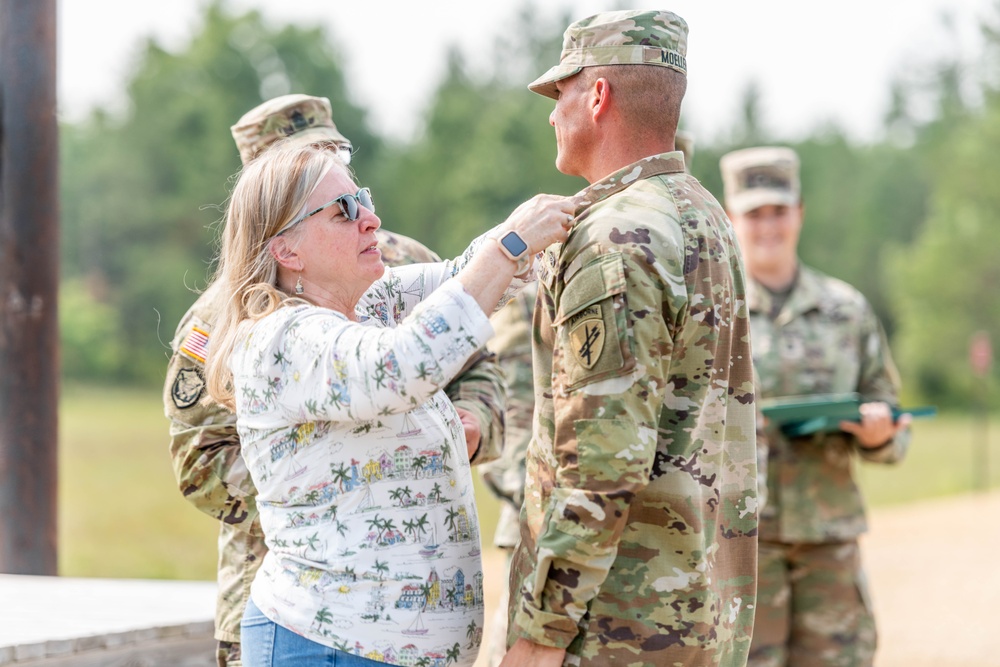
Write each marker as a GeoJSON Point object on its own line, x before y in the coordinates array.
{"type": "Point", "coordinates": [505, 476]}
{"type": "Point", "coordinates": [638, 530]}
{"type": "Point", "coordinates": [204, 444]}
{"type": "Point", "coordinates": [812, 334]}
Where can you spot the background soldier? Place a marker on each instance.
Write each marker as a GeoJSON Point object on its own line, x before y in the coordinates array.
{"type": "Point", "coordinates": [638, 537]}
{"type": "Point", "coordinates": [505, 476]}
{"type": "Point", "coordinates": [204, 444]}
{"type": "Point", "coordinates": [812, 334]}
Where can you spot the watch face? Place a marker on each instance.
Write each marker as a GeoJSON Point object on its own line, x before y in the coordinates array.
{"type": "Point", "coordinates": [514, 244]}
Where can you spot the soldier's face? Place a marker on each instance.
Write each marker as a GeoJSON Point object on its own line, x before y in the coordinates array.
{"type": "Point", "coordinates": [571, 120]}
{"type": "Point", "coordinates": [769, 236]}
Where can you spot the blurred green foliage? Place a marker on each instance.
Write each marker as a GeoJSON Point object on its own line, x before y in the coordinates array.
{"type": "Point", "coordinates": [910, 219]}
{"type": "Point", "coordinates": [142, 193]}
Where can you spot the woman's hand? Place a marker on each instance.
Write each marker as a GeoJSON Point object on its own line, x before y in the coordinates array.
{"type": "Point", "coordinates": [540, 222]}
{"type": "Point", "coordinates": [543, 220]}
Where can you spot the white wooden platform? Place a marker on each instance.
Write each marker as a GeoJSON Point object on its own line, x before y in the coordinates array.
{"type": "Point", "coordinates": [63, 622]}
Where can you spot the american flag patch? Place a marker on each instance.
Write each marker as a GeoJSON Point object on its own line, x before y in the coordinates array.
{"type": "Point", "coordinates": [196, 344]}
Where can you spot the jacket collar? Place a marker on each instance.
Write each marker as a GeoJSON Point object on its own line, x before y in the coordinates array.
{"type": "Point", "coordinates": [807, 295]}
{"type": "Point", "coordinates": [647, 167]}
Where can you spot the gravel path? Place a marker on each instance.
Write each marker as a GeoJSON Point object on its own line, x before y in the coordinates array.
{"type": "Point", "coordinates": [934, 572]}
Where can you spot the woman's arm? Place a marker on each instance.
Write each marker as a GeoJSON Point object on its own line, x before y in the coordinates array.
{"type": "Point", "coordinates": [483, 269]}
{"type": "Point", "coordinates": [310, 363]}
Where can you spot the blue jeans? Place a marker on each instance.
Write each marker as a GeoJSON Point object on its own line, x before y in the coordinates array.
{"type": "Point", "coordinates": [267, 644]}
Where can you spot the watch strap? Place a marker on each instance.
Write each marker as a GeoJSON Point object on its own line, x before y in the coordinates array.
{"type": "Point", "coordinates": [523, 260]}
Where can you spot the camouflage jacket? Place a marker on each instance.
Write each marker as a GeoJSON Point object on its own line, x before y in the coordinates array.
{"type": "Point", "coordinates": [638, 538]}
{"type": "Point", "coordinates": [205, 449]}
{"type": "Point", "coordinates": [512, 346]}
{"type": "Point", "coordinates": [826, 339]}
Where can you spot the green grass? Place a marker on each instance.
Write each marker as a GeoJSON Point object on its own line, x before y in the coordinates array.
{"type": "Point", "coordinates": [121, 515]}
{"type": "Point", "coordinates": [945, 458]}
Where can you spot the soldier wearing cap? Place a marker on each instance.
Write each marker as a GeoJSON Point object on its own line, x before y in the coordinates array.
{"type": "Point", "coordinates": [638, 529]}
{"type": "Point", "coordinates": [204, 444]}
{"type": "Point", "coordinates": [812, 334]}
{"type": "Point", "coordinates": [505, 476]}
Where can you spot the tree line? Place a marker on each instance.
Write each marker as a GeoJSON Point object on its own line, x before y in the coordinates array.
{"type": "Point", "coordinates": [911, 219]}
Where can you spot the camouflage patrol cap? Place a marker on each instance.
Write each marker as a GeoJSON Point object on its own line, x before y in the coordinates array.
{"type": "Point", "coordinates": [755, 177]}
{"type": "Point", "coordinates": [309, 119]}
{"type": "Point", "coordinates": [630, 37]}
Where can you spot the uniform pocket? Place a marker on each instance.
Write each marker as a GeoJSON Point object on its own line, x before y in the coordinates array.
{"type": "Point", "coordinates": [591, 325]}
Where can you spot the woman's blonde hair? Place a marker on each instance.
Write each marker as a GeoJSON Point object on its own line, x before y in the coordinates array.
{"type": "Point", "coordinates": [270, 192]}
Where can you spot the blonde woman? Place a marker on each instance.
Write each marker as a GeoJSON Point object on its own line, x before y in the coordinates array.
{"type": "Point", "coordinates": [334, 367]}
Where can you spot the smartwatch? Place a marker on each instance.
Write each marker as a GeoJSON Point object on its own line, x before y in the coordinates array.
{"type": "Point", "coordinates": [512, 245]}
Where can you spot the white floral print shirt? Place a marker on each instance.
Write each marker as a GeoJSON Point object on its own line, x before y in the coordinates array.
{"type": "Point", "coordinates": [364, 487]}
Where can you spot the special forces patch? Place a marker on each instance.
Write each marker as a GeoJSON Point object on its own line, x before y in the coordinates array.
{"type": "Point", "coordinates": [187, 388]}
{"type": "Point", "coordinates": [587, 336]}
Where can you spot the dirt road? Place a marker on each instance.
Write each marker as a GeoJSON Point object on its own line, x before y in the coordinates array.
{"type": "Point", "coordinates": [934, 570]}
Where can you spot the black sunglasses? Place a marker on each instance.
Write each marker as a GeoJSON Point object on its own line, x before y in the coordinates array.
{"type": "Point", "coordinates": [349, 206]}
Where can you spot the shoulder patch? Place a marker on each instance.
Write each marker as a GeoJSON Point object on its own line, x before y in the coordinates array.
{"type": "Point", "coordinates": [591, 323]}
{"type": "Point", "coordinates": [195, 344]}
{"type": "Point", "coordinates": [587, 336]}
{"type": "Point", "coordinates": [187, 388]}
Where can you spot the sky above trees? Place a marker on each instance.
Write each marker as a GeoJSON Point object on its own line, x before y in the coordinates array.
{"type": "Point", "coordinates": [813, 63]}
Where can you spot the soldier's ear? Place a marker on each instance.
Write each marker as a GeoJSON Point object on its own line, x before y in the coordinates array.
{"type": "Point", "coordinates": [600, 97]}
{"type": "Point", "coordinates": [284, 254]}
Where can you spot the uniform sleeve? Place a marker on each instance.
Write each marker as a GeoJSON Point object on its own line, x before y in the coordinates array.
{"type": "Point", "coordinates": [512, 345]}
{"type": "Point", "coordinates": [205, 448]}
{"type": "Point", "coordinates": [318, 366]}
{"type": "Point", "coordinates": [481, 390]}
{"type": "Point", "coordinates": [611, 352]}
{"type": "Point", "coordinates": [880, 382]}
{"type": "Point", "coordinates": [763, 447]}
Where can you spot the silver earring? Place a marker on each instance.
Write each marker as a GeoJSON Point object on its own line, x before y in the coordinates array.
{"type": "Point", "coordinates": [299, 289]}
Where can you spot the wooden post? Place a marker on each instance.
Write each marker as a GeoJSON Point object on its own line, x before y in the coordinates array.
{"type": "Point", "coordinates": [29, 275]}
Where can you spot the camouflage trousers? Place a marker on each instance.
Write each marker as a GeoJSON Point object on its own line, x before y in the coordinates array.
{"type": "Point", "coordinates": [240, 555]}
{"type": "Point", "coordinates": [228, 655]}
{"type": "Point", "coordinates": [813, 607]}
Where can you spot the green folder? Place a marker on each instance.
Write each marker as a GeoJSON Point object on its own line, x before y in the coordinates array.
{"type": "Point", "coordinates": [797, 416]}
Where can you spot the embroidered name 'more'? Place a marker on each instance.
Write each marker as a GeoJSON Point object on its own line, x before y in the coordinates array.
{"type": "Point", "coordinates": [196, 344]}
